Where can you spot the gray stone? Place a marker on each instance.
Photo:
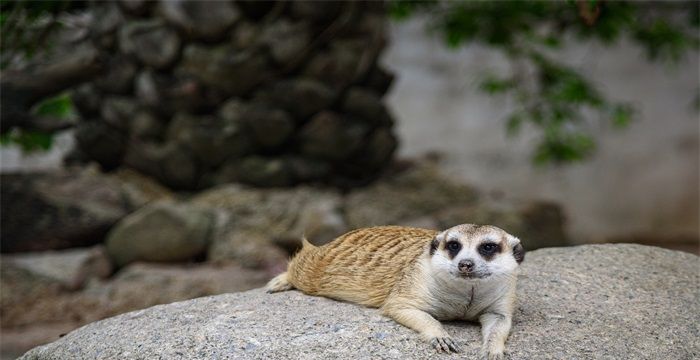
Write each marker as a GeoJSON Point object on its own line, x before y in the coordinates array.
{"type": "Point", "coordinates": [71, 268]}
{"type": "Point", "coordinates": [593, 302]}
{"type": "Point", "coordinates": [105, 19]}
{"type": "Point", "coordinates": [101, 142]}
{"type": "Point", "coordinates": [36, 310]}
{"type": "Point", "coordinates": [416, 192]}
{"type": "Point", "coordinates": [168, 94]}
{"type": "Point", "coordinates": [161, 232]}
{"type": "Point", "coordinates": [212, 139]}
{"type": "Point", "coordinates": [170, 163]}
{"type": "Point", "coordinates": [379, 79]}
{"type": "Point", "coordinates": [118, 111]}
{"type": "Point", "coordinates": [57, 210]}
{"type": "Point", "coordinates": [339, 65]}
{"type": "Point", "coordinates": [119, 77]}
{"type": "Point", "coordinates": [151, 42]}
{"type": "Point", "coordinates": [87, 99]}
{"type": "Point", "coordinates": [269, 126]}
{"type": "Point", "coordinates": [246, 35]}
{"type": "Point", "coordinates": [140, 189]}
{"type": "Point", "coordinates": [269, 217]}
{"type": "Point", "coordinates": [146, 125]}
{"type": "Point", "coordinates": [379, 149]}
{"type": "Point", "coordinates": [136, 7]}
{"type": "Point", "coordinates": [224, 68]}
{"type": "Point", "coordinates": [366, 104]}
{"type": "Point", "coordinates": [331, 136]}
{"type": "Point", "coordinates": [251, 249]}
{"type": "Point", "coordinates": [200, 19]}
{"type": "Point", "coordinates": [178, 167]}
{"type": "Point", "coordinates": [307, 169]}
{"type": "Point", "coordinates": [257, 170]}
{"type": "Point", "coordinates": [320, 11]}
{"type": "Point", "coordinates": [20, 288]}
{"type": "Point", "coordinates": [286, 41]}
{"type": "Point", "coordinates": [301, 97]}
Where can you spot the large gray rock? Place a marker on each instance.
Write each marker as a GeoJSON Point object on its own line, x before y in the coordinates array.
{"type": "Point", "coordinates": [301, 97]}
{"type": "Point", "coordinates": [286, 41]}
{"type": "Point", "coordinates": [413, 193]}
{"type": "Point", "coordinates": [269, 126]}
{"type": "Point", "coordinates": [253, 226]}
{"type": "Point", "coordinates": [100, 142]}
{"type": "Point", "coordinates": [212, 139]}
{"type": "Point", "coordinates": [71, 268]}
{"type": "Point", "coordinates": [587, 302]}
{"type": "Point", "coordinates": [200, 19]}
{"type": "Point", "coordinates": [224, 68]}
{"type": "Point", "coordinates": [163, 231]}
{"type": "Point", "coordinates": [56, 210]}
{"type": "Point", "coordinates": [36, 310]}
{"type": "Point", "coordinates": [332, 136]}
{"type": "Point", "coordinates": [151, 42]}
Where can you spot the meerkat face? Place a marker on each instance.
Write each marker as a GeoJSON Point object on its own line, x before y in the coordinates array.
{"type": "Point", "coordinates": [475, 252]}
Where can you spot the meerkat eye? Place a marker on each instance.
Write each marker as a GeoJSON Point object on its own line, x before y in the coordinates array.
{"type": "Point", "coordinates": [453, 246]}
{"type": "Point", "coordinates": [488, 248]}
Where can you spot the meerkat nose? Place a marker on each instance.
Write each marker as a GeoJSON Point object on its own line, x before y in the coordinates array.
{"type": "Point", "coordinates": [466, 265]}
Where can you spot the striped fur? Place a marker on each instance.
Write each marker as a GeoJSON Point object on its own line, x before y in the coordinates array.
{"type": "Point", "coordinates": [339, 269]}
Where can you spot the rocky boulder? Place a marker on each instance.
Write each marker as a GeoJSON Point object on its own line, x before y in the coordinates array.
{"type": "Point", "coordinates": [57, 210]}
{"type": "Point", "coordinates": [36, 309]}
{"type": "Point", "coordinates": [71, 268]}
{"type": "Point", "coordinates": [419, 191]}
{"type": "Point", "coordinates": [151, 42]}
{"type": "Point", "coordinates": [163, 232]}
{"type": "Point", "coordinates": [255, 227]}
{"type": "Point", "coordinates": [594, 302]}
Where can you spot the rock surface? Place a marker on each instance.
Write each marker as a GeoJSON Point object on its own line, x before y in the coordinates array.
{"type": "Point", "coordinates": [588, 302]}
{"type": "Point", "coordinates": [161, 232]}
{"type": "Point", "coordinates": [57, 210]}
{"type": "Point", "coordinates": [35, 309]}
{"type": "Point", "coordinates": [72, 268]}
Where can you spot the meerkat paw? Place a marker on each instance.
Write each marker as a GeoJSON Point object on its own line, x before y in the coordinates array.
{"type": "Point", "coordinates": [279, 283]}
{"type": "Point", "coordinates": [444, 344]}
{"type": "Point", "coordinates": [491, 355]}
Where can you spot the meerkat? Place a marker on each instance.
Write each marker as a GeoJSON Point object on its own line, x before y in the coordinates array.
{"type": "Point", "coordinates": [418, 277]}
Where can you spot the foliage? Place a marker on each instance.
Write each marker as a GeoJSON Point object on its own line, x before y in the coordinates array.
{"type": "Point", "coordinates": [550, 95]}
{"type": "Point", "coordinates": [25, 26]}
{"type": "Point", "coordinates": [57, 107]}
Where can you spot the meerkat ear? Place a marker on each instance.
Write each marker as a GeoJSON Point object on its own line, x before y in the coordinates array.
{"type": "Point", "coordinates": [518, 250]}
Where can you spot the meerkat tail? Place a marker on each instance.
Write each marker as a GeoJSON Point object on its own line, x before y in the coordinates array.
{"type": "Point", "coordinates": [284, 281]}
{"type": "Point", "coordinates": [279, 283]}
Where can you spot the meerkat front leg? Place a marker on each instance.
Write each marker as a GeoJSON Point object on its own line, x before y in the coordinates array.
{"type": "Point", "coordinates": [495, 328]}
{"type": "Point", "coordinates": [429, 328]}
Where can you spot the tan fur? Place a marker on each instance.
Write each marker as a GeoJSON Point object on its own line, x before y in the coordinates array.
{"type": "Point", "coordinates": [358, 266]}
{"type": "Point", "coordinates": [392, 268]}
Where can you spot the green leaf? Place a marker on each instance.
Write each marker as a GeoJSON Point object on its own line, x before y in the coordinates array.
{"type": "Point", "coordinates": [60, 106]}
{"type": "Point", "coordinates": [561, 147]}
{"type": "Point", "coordinates": [29, 141]}
{"type": "Point", "coordinates": [514, 124]}
{"type": "Point", "coordinates": [493, 85]}
{"type": "Point", "coordinates": [621, 116]}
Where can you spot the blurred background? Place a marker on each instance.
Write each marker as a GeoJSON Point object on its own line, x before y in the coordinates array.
{"type": "Point", "coordinates": [156, 151]}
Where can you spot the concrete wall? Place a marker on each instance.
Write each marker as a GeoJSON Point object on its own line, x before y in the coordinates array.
{"type": "Point", "coordinates": [643, 179]}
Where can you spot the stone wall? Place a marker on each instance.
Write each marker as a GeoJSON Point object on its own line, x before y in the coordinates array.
{"type": "Point", "coordinates": [264, 93]}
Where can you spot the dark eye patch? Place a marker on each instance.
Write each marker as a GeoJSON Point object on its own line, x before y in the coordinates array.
{"type": "Point", "coordinates": [489, 249]}
{"type": "Point", "coordinates": [453, 247]}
